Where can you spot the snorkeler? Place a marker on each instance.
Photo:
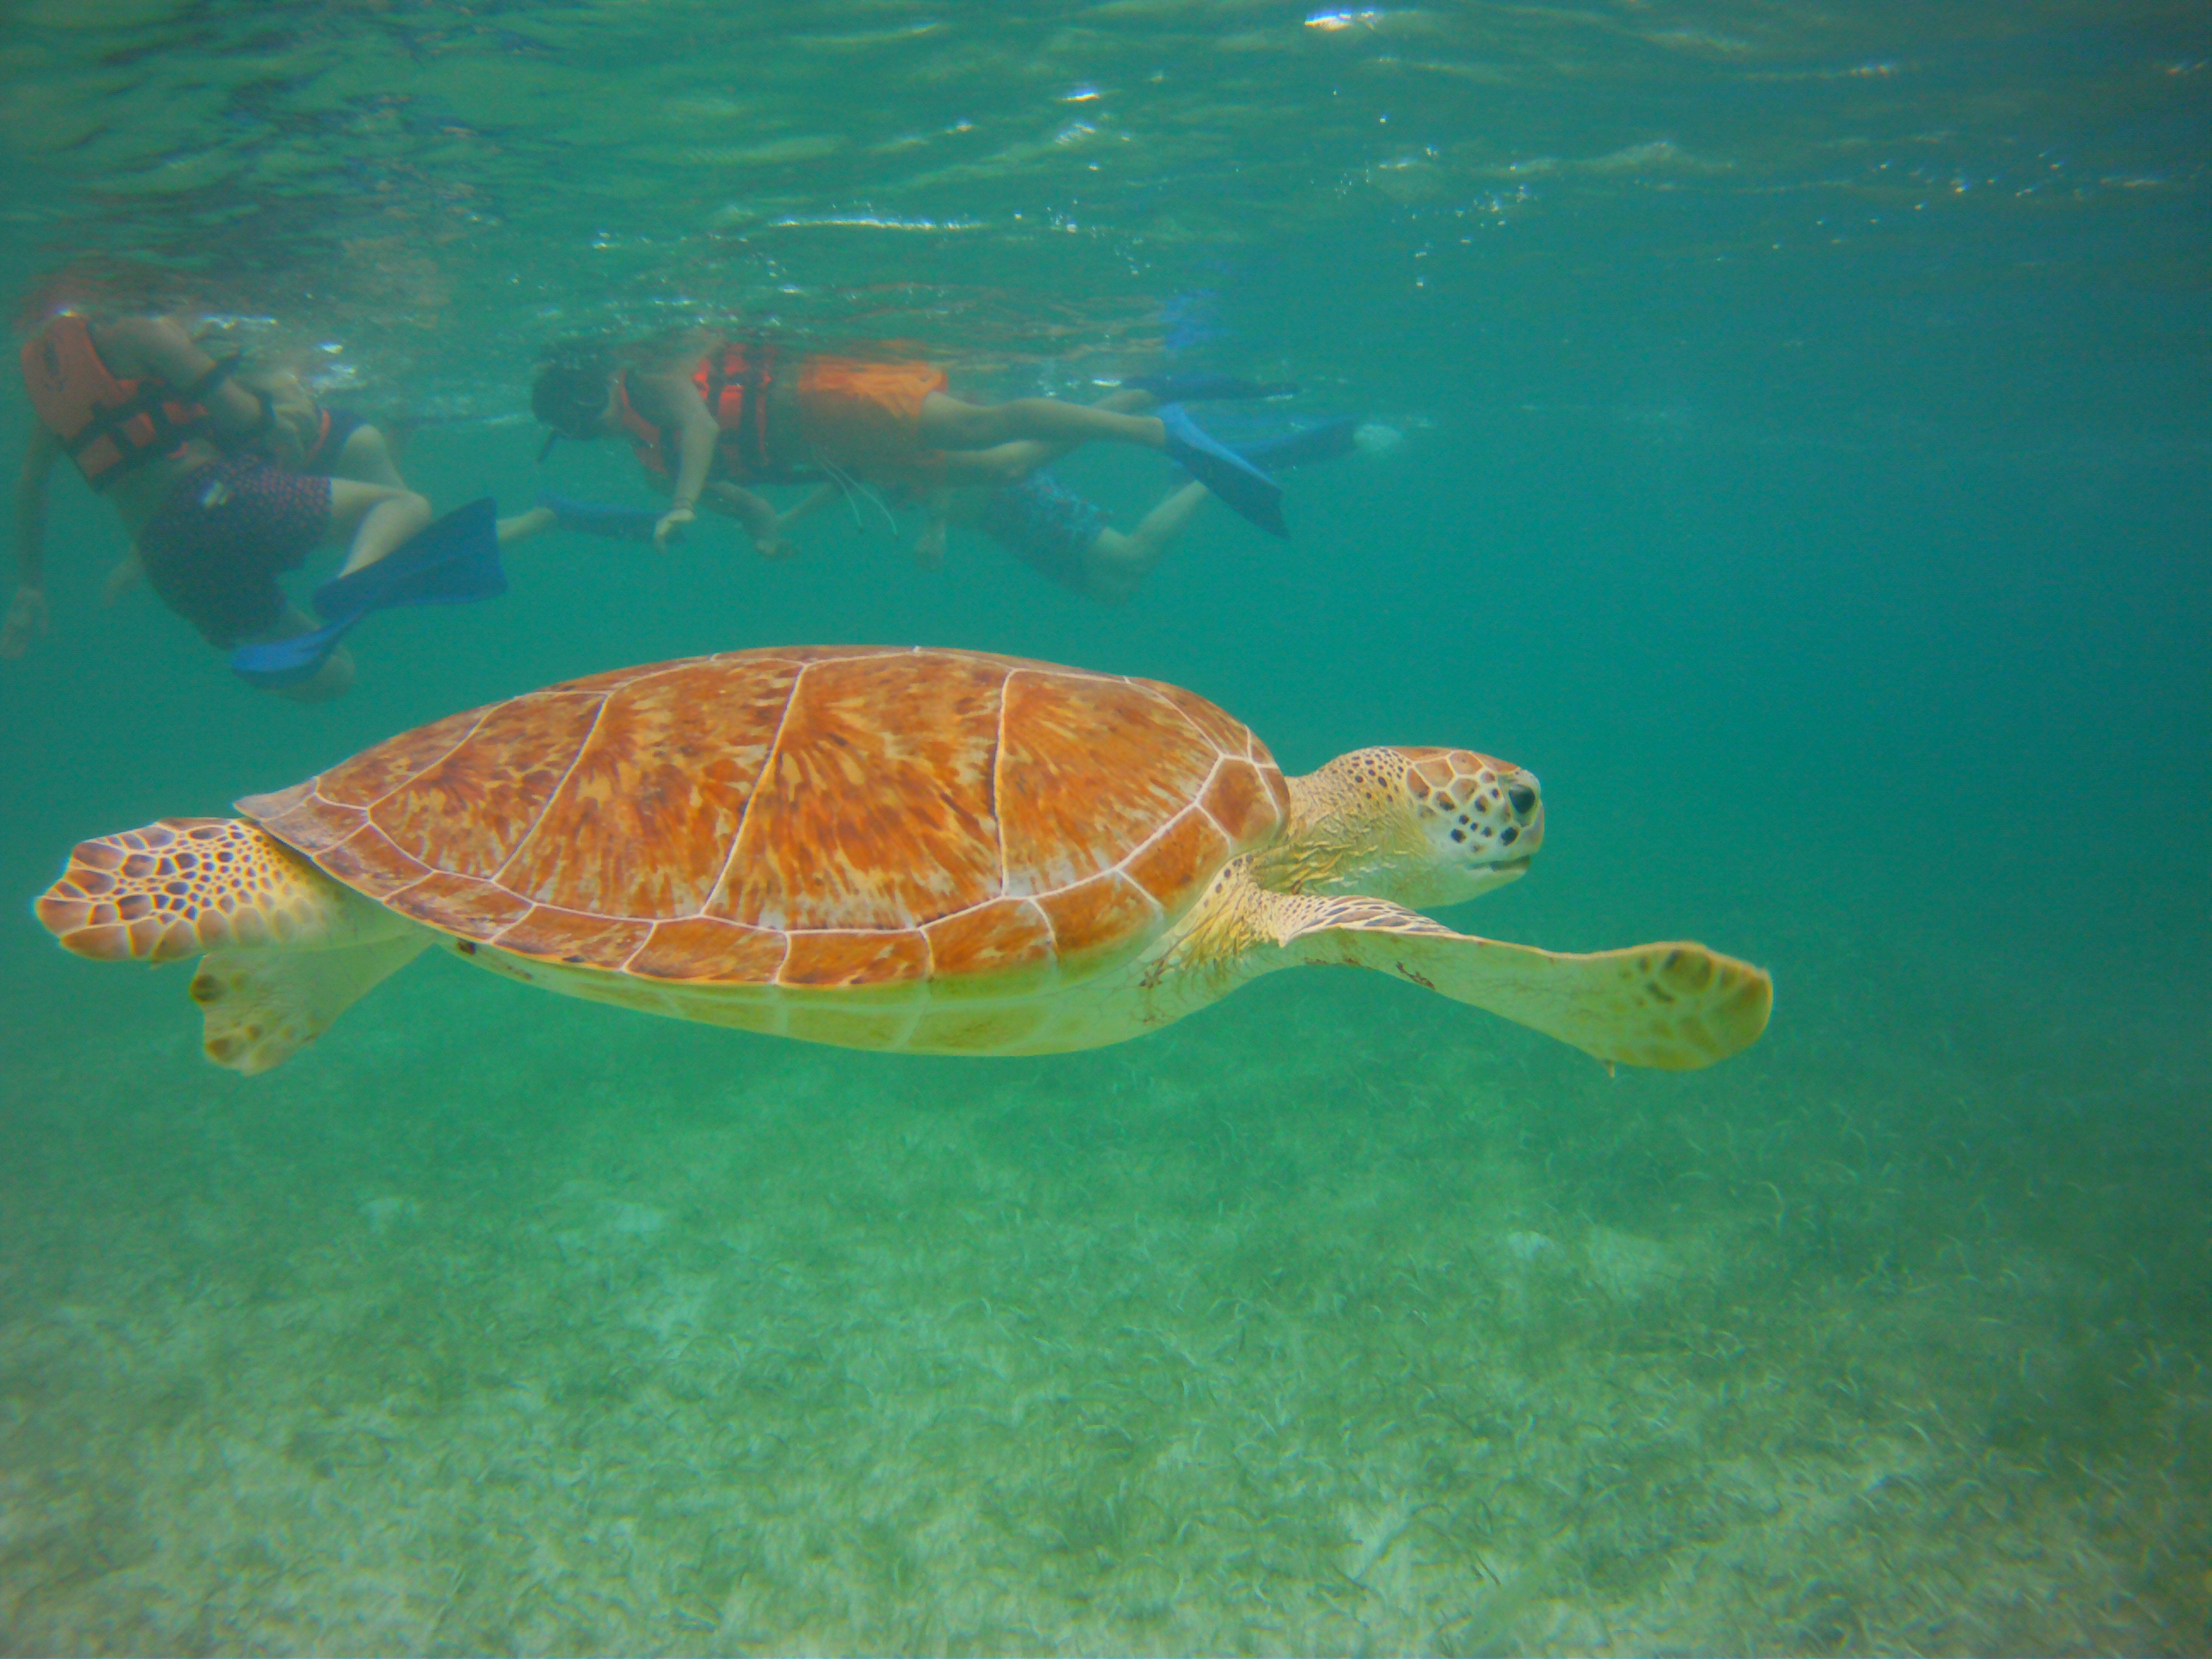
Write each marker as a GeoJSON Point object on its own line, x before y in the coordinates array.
{"type": "Point", "coordinates": [1067, 539]}
{"type": "Point", "coordinates": [163, 430]}
{"type": "Point", "coordinates": [303, 435]}
{"type": "Point", "coordinates": [717, 415]}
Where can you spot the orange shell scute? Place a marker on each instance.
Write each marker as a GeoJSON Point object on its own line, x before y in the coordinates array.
{"type": "Point", "coordinates": [309, 824]}
{"type": "Point", "coordinates": [826, 960]}
{"type": "Point", "coordinates": [1238, 799]}
{"type": "Point", "coordinates": [474, 908]}
{"type": "Point", "coordinates": [1184, 853]}
{"type": "Point", "coordinates": [704, 948]}
{"type": "Point", "coordinates": [821, 817]}
{"type": "Point", "coordinates": [1097, 915]}
{"type": "Point", "coordinates": [467, 810]}
{"type": "Point", "coordinates": [367, 862]}
{"type": "Point", "coordinates": [371, 776]}
{"type": "Point", "coordinates": [876, 810]}
{"type": "Point", "coordinates": [1006, 937]}
{"type": "Point", "coordinates": [1084, 779]}
{"type": "Point", "coordinates": [657, 771]}
{"type": "Point", "coordinates": [554, 935]}
{"type": "Point", "coordinates": [1226, 732]}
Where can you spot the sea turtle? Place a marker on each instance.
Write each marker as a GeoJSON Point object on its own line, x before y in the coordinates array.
{"type": "Point", "coordinates": [930, 851]}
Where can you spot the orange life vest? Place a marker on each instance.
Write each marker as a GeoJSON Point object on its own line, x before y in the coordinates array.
{"type": "Point", "coordinates": [733, 381]}
{"type": "Point", "coordinates": [108, 427]}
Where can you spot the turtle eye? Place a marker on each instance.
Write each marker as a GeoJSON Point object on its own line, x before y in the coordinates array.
{"type": "Point", "coordinates": [1523, 799]}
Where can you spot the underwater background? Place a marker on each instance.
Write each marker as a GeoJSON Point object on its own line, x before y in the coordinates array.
{"type": "Point", "coordinates": [1804, 470]}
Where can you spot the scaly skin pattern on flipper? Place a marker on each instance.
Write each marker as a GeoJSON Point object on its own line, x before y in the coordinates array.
{"type": "Point", "coordinates": [185, 886]}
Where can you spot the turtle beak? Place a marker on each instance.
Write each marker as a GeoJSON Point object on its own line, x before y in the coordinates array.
{"type": "Point", "coordinates": [1531, 839]}
{"type": "Point", "coordinates": [1525, 833]}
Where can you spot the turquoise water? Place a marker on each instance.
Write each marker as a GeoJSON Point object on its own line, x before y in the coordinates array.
{"type": "Point", "coordinates": [1804, 471]}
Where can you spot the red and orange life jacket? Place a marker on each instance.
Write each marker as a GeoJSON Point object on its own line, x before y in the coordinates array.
{"type": "Point", "coordinates": [733, 381]}
{"type": "Point", "coordinates": [108, 427]}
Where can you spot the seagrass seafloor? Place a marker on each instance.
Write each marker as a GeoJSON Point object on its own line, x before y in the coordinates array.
{"type": "Point", "coordinates": [1322, 1324]}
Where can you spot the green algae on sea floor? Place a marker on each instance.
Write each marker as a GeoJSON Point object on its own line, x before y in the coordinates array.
{"type": "Point", "coordinates": [1185, 1346]}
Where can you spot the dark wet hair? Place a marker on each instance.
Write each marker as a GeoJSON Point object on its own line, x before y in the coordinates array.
{"type": "Point", "coordinates": [570, 395]}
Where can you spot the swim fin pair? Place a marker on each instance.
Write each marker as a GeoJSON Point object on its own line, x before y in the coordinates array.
{"type": "Point", "coordinates": [1239, 483]}
{"type": "Point", "coordinates": [453, 562]}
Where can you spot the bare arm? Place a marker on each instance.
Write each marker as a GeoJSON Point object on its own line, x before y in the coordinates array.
{"type": "Point", "coordinates": [672, 400]}
{"type": "Point", "coordinates": [27, 612]}
{"type": "Point", "coordinates": [160, 346]}
{"type": "Point", "coordinates": [294, 421]}
{"type": "Point", "coordinates": [817, 498]}
{"type": "Point", "coordinates": [757, 516]}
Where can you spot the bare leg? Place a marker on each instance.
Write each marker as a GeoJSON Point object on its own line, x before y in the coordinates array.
{"type": "Point", "coordinates": [377, 518]}
{"type": "Point", "coordinates": [333, 680]}
{"type": "Point", "coordinates": [523, 525]}
{"type": "Point", "coordinates": [1114, 563]}
{"type": "Point", "coordinates": [948, 423]}
{"type": "Point", "coordinates": [366, 459]}
{"type": "Point", "coordinates": [1001, 464]}
{"type": "Point", "coordinates": [1005, 463]}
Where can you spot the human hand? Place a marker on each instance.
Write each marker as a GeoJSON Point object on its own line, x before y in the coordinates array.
{"type": "Point", "coordinates": [292, 425]}
{"type": "Point", "coordinates": [671, 527]}
{"type": "Point", "coordinates": [774, 546]}
{"type": "Point", "coordinates": [291, 436]}
{"type": "Point", "coordinates": [27, 617]}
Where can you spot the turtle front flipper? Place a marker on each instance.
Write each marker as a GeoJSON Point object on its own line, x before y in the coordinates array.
{"type": "Point", "coordinates": [287, 949]}
{"type": "Point", "coordinates": [258, 1008]}
{"type": "Point", "coordinates": [1674, 1006]}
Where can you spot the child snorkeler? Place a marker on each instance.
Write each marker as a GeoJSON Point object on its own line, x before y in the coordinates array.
{"type": "Point", "coordinates": [711, 416]}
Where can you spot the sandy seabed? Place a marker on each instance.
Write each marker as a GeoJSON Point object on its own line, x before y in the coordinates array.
{"type": "Point", "coordinates": [1335, 1321]}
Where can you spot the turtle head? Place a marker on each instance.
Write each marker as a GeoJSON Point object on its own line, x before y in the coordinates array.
{"type": "Point", "coordinates": [1417, 826]}
{"type": "Point", "coordinates": [1480, 821]}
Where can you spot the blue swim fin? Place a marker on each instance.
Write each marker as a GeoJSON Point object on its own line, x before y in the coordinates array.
{"type": "Point", "coordinates": [1323, 441]}
{"type": "Point", "coordinates": [452, 562]}
{"type": "Point", "coordinates": [1223, 471]}
{"type": "Point", "coordinates": [1206, 388]}
{"type": "Point", "coordinates": [280, 664]}
{"type": "Point", "coordinates": [617, 524]}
